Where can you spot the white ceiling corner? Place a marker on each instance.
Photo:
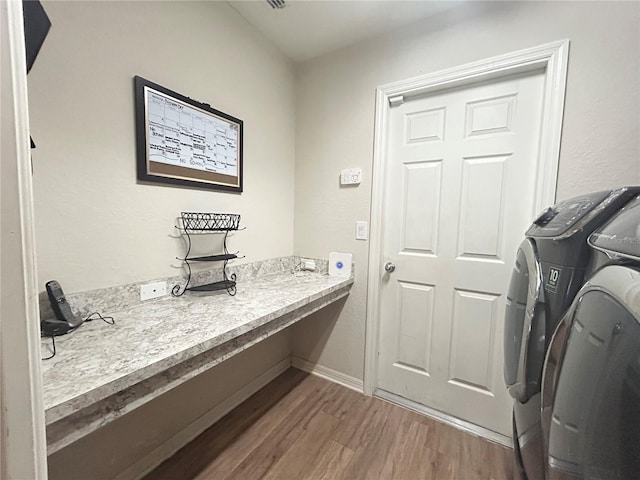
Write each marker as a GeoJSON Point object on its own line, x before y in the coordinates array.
{"type": "Point", "coordinates": [305, 29]}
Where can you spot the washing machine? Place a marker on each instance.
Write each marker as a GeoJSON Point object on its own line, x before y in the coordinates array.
{"type": "Point", "coordinates": [591, 381]}
{"type": "Point", "coordinates": [550, 268]}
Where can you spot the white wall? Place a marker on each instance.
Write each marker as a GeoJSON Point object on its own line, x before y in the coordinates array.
{"type": "Point", "coordinates": [335, 119]}
{"type": "Point", "coordinates": [96, 227]}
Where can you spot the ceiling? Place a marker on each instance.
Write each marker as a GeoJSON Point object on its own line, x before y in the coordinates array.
{"type": "Point", "coordinates": [304, 29]}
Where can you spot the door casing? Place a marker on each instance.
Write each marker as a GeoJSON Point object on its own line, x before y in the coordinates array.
{"type": "Point", "coordinates": [23, 447]}
{"type": "Point", "coordinates": [553, 58]}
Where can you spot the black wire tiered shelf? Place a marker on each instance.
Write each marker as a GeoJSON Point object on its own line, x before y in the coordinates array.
{"type": "Point", "coordinates": [193, 223]}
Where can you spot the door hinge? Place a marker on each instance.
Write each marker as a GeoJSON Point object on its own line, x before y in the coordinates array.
{"type": "Point", "coordinates": [397, 100]}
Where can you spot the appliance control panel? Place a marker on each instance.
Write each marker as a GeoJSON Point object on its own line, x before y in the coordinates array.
{"type": "Point", "coordinates": [556, 220]}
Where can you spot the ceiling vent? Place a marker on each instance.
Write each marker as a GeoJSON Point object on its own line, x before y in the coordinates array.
{"type": "Point", "coordinates": [276, 3]}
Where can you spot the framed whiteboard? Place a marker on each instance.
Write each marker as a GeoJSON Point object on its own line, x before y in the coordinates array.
{"type": "Point", "coordinates": [184, 142]}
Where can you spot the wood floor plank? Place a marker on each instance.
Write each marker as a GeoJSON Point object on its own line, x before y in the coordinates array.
{"type": "Point", "coordinates": [292, 424]}
{"type": "Point", "coordinates": [484, 460]}
{"type": "Point", "coordinates": [360, 419]}
{"type": "Point", "coordinates": [197, 456]}
{"type": "Point", "coordinates": [336, 457]}
{"type": "Point", "coordinates": [376, 440]}
{"type": "Point", "coordinates": [263, 428]}
{"type": "Point", "coordinates": [395, 460]}
{"type": "Point", "coordinates": [308, 450]}
{"type": "Point", "coordinates": [263, 459]}
{"type": "Point", "coordinates": [303, 427]}
{"type": "Point", "coordinates": [411, 455]}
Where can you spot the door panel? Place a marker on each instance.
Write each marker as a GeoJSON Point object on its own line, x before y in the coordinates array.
{"type": "Point", "coordinates": [472, 340]}
{"type": "Point", "coordinates": [416, 319]}
{"type": "Point", "coordinates": [481, 207]}
{"type": "Point", "coordinates": [494, 115]}
{"type": "Point", "coordinates": [459, 195]}
{"type": "Point", "coordinates": [425, 126]}
{"type": "Point", "coordinates": [421, 206]}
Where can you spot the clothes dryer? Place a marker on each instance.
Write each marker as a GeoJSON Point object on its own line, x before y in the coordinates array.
{"type": "Point", "coordinates": [591, 382]}
{"type": "Point", "coordinates": [550, 267]}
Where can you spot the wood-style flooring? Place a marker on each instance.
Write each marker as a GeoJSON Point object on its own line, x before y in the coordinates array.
{"type": "Point", "coordinates": [303, 427]}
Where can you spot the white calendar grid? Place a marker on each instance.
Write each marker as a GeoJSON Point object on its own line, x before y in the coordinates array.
{"type": "Point", "coordinates": [182, 135]}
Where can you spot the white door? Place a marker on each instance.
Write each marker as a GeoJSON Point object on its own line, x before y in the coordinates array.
{"type": "Point", "coordinates": [461, 172]}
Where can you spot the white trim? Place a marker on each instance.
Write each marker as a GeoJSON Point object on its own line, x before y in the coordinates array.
{"type": "Point", "coordinates": [150, 461]}
{"type": "Point", "coordinates": [25, 455]}
{"type": "Point", "coordinates": [446, 418]}
{"type": "Point", "coordinates": [328, 374]}
{"type": "Point", "coordinates": [553, 58]}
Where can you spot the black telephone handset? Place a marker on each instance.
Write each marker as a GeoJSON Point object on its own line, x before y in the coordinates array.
{"type": "Point", "coordinates": [65, 319]}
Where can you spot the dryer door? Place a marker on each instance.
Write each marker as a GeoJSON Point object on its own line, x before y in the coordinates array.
{"type": "Point", "coordinates": [595, 423]}
{"type": "Point", "coordinates": [524, 325]}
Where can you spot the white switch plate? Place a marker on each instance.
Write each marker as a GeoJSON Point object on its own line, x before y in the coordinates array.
{"type": "Point", "coordinates": [153, 290]}
{"type": "Point", "coordinates": [362, 230]}
{"type": "Point", "coordinates": [351, 176]}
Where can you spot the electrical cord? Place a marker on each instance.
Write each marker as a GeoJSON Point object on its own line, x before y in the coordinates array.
{"type": "Point", "coordinates": [106, 319]}
{"type": "Point", "coordinates": [53, 347]}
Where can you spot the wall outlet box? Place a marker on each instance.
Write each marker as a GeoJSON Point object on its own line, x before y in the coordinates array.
{"type": "Point", "coordinates": [153, 290]}
{"type": "Point", "coordinates": [340, 264]}
{"type": "Point", "coordinates": [351, 176]}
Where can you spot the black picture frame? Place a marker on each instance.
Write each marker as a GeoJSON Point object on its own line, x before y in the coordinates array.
{"type": "Point", "coordinates": [184, 142]}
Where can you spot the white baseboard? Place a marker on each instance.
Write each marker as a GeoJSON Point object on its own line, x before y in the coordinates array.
{"type": "Point", "coordinates": [182, 438]}
{"type": "Point", "coordinates": [446, 418]}
{"type": "Point", "coordinates": [328, 374]}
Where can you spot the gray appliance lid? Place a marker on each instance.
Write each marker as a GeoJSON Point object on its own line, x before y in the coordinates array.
{"type": "Point", "coordinates": [621, 235]}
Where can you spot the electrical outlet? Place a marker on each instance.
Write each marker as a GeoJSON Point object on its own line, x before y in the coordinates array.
{"type": "Point", "coordinates": [153, 290]}
{"type": "Point", "coordinates": [309, 265]}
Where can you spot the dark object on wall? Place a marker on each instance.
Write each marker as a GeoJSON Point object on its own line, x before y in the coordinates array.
{"type": "Point", "coordinates": [184, 142]}
{"type": "Point", "coordinates": [36, 27]}
{"type": "Point", "coordinates": [276, 4]}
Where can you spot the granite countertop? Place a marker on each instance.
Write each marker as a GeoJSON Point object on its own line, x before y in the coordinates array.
{"type": "Point", "coordinates": [99, 360]}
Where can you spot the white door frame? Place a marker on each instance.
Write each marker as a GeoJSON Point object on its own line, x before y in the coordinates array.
{"type": "Point", "coordinates": [23, 449]}
{"type": "Point", "coordinates": [553, 58]}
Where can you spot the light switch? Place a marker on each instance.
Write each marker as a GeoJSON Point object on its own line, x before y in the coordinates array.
{"type": "Point", "coordinates": [362, 230]}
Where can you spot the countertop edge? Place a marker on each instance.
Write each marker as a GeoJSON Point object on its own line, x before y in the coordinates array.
{"type": "Point", "coordinates": [83, 421]}
{"type": "Point", "coordinates": [60, 411]}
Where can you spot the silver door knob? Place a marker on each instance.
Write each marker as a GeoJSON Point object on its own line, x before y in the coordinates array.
{"type": "Point", "coordinates": [389, 267]}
